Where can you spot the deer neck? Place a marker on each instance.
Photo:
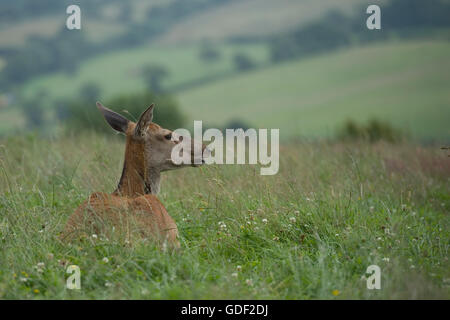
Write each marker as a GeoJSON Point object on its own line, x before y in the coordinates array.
{"type": "Point", "coordinates": [137, 178]}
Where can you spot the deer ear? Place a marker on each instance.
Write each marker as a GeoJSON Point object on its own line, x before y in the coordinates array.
{"type": "Point", "coordinates": [144, 120]}
{"type": "Point", "coordinates": [115, 120]}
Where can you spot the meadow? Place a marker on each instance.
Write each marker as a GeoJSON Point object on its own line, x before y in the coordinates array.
{"type": "Point", "coordinates": [308, 232]}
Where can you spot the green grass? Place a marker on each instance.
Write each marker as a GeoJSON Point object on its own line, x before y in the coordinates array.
{"type": "Point", "coordinates": [119, 72]}
{"type": "Point", "coordinates": [332, 210]}
{"type": "Point", "coordinates": [405, 83]}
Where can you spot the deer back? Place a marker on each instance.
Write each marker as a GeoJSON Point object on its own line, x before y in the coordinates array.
{"type": "Point", "coordinates": [113, 215]}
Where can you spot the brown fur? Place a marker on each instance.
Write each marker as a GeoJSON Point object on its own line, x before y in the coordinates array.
{"type": "Point", "coordinates": [132, 210]}
{"type": "Point", "coordinates": [143, 216]}
{"type": "Point", "coordinates": [128, 209]}
{"type": "Point", "coordinates": [131, 182]}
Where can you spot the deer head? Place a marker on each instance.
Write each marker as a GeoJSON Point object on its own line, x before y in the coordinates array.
{"type": "Point", "coordinates": [147, 153]}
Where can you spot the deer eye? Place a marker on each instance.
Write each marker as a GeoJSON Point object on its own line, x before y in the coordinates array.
{"type": "Point", "coordinates": [168, 136]}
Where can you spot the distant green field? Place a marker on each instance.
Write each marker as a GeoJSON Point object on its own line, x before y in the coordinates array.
{"type": "Point", "coordinates": [405, 83]}
{"type": "Point", "coordinates": [249, 17]}
{"type": "Point", "coordinates": [119, 72]}
{"type": "Point", "coordinates": [16, 35]}
{"type": "Point", "coordinates": [256, 17]}
{"type": "Point", "coordinates": [95, 27]}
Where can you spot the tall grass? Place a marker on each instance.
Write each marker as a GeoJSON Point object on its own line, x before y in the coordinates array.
{"type": "Point", "coordinates": [308, 232]}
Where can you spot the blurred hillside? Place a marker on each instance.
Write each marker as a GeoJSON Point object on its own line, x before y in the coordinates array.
{"type": "Point", "coordinates": [192, 20]}
{"type": "Point", "coordinates": [227, 60]}
{"type": "Point", "coordinates": [404, 83]}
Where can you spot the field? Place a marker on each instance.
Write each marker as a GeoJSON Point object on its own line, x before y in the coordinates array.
{"type": "Point", "coordinates": [250, 17]}
{"type": "Point", "coordinates": [404, 83]}
{"type": "Point", "coordinates": [17, 35]}
{"type": "Point", "coordinates": [308, 232]}
{"type": "Point", "coordinates": [182, 62]}
{"type": "Point", "coordinates": [98, 27]}
{"type": "Point", "coordinates": [255, 18]}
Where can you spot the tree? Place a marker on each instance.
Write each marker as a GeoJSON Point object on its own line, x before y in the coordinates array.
{"type": "Point", "coordinates": [33, 110]}
{"type": "Point", "coordinates": [208, 53]}
{"type": "Point", "coordinates": [84, 115]}
{"type": "Point", "coordinates": [90, 91]}
{"type": "Point", "coordinates": [243, 62]}
{"type": "Point", "coordinates": [154, 75]}
{"type": "Point", "coordinates": [237, 124]}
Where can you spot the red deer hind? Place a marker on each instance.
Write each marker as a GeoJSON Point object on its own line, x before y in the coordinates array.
{"type": "Point", "coordinates": [133, 208]}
